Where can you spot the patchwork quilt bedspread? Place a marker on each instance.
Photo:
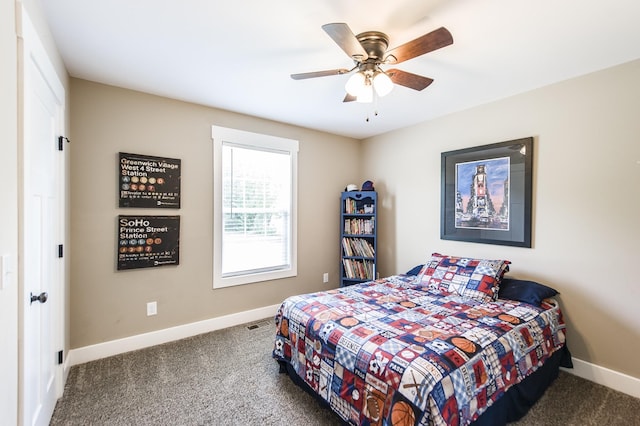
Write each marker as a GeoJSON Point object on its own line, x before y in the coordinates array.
{"type": "Point", "coordinates": [389, 352]}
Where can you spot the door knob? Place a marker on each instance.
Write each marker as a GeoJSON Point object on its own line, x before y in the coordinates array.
{"type": "Point", "coordinates": [42, 297]}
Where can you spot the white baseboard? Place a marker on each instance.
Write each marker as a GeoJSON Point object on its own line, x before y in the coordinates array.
{"type": "Point", "coordinates": [601, 375]}
{"type": "Point", "coordinates": [605, 377]}
{"type": "Point", "coordinates": [141, 341]}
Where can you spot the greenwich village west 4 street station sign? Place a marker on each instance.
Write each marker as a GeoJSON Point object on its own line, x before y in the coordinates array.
{"type": "Point", "coordinates": [149, 181]}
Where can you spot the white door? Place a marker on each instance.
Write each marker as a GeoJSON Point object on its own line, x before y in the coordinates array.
{"type": "Point", "coordinates": [41, 232]}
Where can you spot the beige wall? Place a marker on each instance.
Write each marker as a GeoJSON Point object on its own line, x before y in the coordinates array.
{"type": "Point", "coordinates": [107, 304]}
{"type": "Point", "coordinates": [586, 207]}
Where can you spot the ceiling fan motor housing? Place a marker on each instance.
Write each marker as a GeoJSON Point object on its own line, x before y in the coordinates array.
{"type": "Point", "coordinates": [374, 43]}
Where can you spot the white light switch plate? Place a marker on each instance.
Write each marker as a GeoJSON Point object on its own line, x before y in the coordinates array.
{"type": "Point", "coordinates": [4, 270]}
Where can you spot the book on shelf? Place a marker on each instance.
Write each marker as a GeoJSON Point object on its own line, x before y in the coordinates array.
{"type": "Point", "coordinates": [358, 269]}
{"type": "Point", "coordinates": [352, 206]}
{"type": "Point", "coordinates": [359, 226]}
{"type": "Point", "coordinates": [357, 247]}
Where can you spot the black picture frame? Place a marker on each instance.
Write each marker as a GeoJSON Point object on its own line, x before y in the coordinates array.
{"type": "Point", "coordinates": [486, 193]}
{"type": "Point", "coordinates": [148, 241]}
{"type": "Point", "coordinates": [148, 181]}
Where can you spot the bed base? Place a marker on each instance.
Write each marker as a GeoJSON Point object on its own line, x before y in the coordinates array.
{"type": "Point", "coordinates": [512, 406]}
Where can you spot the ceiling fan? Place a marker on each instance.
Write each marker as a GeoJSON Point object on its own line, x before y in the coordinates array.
{"type": "Point", "coordinates": [369, 51]}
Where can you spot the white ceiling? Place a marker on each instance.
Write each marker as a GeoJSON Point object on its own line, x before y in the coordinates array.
{"type": "Point", "coordinates": [238, 55]}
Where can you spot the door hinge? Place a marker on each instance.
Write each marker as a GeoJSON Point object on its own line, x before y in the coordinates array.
{"type": "Point", "coordinates": [61, 140]}
{"type": "Point", "coordinates": [60, 357]}
{"type": "Point", "coordinates": [60, 250]}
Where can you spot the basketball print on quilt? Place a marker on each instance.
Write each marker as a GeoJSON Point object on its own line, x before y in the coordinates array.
{"type": "Point", "coordinates": [477, 279]}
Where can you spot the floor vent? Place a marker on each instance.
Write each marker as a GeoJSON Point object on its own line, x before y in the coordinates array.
{"type": "Point", "coordinates": [263, 323]}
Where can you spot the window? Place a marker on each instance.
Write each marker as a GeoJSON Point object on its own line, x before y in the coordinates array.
{"type": "Point", "coordinates": [254, 211]}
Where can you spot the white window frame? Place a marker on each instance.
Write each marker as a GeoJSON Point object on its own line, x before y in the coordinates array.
{"type": "Point", "coordinates": [221, 135]}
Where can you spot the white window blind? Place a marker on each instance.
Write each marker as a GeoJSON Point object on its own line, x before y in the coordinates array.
{"type": "Point", "coordinates": [254, 207]}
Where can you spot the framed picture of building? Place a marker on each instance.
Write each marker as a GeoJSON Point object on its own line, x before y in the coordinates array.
{"type": "Point", "coordinates": [486, 193]}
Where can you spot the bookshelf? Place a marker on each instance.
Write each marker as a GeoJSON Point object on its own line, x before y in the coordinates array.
{"type": "Point", "coordinates": [358, 241]}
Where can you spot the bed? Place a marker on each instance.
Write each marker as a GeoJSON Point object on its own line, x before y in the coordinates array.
{"type": "Point", "coordinates": [446, 346]}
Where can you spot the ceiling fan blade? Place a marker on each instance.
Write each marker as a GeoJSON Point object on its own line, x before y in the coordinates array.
{"type": "Point", "coordinates": [344, 37]}
{"type": "Point", "coordinates": [427, 43]}
{"type": "Point", "coordinates": [304, 75]}
{"type": "Point", "coordinates": [349, 98]}
{"type": "Point", "coordinates": [407, 79]}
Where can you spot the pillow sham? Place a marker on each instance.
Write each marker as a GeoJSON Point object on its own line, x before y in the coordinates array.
{"type": "Point", "coordinates": [415, 270]}
{"type": "Point", "coordinates": [525, 291]}
{"type": "Point", "coordinates": [473, 278]}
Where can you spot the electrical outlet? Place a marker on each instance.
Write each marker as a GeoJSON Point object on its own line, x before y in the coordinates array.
{"type": "Point", "coordinates": [325, 277]}
{"type": "Point", "coordinates": [152, 308]}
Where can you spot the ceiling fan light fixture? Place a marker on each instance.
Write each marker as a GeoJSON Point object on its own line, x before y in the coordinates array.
{"type": "Point", "coordinates": [361, 85]}
{"type": "Point", "coordinates": [382, 83]}
{"type": "Point", "coordinates": [355, 84]}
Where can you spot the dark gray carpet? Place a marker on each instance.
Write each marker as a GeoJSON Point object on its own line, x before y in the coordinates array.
{"type": "Point", "coordinates": [228, 377]}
